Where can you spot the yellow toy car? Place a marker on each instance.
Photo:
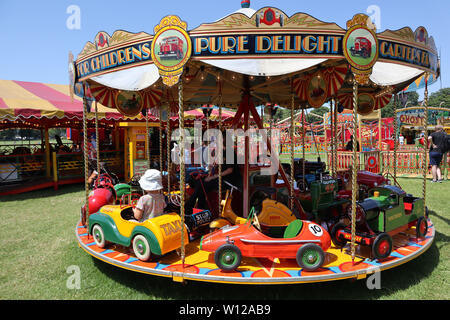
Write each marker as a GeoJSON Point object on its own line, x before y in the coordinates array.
{"type": "Point", "coordinates": [157, 236]}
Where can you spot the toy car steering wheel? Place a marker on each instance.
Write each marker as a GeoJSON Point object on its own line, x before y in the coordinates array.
{"type": "Point", "coordinates": [256, 222]}
{"type": "Point", "coordinates": [359, 214]}
{"type": "Point", "coordinates": [129, 199]}
{"type": "Point", "coordinates": [253, 218]}
{"type": "Point", "coordinates": [175, 199]}
{"type": "Point", "coordinates": [103, 180]}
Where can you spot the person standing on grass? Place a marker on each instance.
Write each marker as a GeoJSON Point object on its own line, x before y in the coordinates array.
{"type": "Point", "coordinates": [437, 149]}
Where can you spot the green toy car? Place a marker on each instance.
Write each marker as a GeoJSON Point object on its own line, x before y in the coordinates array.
{"type": "Point", "coordinates": [387, 211]}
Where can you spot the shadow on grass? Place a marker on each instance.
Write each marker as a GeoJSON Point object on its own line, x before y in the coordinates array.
{"type": "Point", "coordinates": [432, 213]}
{"type": "Point", "coordinates": [44, 193]}
{"type": "Point", "coordinates": [392, 280]}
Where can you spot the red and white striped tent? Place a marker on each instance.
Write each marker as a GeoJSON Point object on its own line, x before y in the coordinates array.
{"type": "Point", "coordinates": [39, 104]}
{"type": "Point", "coordinates": [34, 104]}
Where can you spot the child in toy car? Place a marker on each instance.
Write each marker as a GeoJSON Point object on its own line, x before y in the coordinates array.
{"type": "Point", "coordinates": [152, 203]}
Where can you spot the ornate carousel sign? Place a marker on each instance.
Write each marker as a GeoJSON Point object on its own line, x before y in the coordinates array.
{"type": "Point", "coordinates": [265, 42]}
{"type": "Point", "coordinates": [129, 103]}
{"type": "Point", "coordinates": [360, 47]}
{"type": "Point", "coordinates": [171, 48]}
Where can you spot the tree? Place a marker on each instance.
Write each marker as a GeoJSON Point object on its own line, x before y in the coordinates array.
{"type": "Point", "coordinates": [319, 111]}
{"type": "Point", "coordinates": [440, 98]}
{"type": "Point", "coordinates": [411, 101]}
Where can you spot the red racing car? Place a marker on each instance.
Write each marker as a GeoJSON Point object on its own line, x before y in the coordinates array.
{"type": "Point", "coordinates": [303, 240]}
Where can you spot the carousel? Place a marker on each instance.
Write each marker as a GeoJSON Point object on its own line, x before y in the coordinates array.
{"type": "Point", "coordinates": [280, 223]}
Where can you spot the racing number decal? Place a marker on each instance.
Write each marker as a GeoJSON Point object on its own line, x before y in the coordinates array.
{"type": "Point", "coordinates": [315, 230]}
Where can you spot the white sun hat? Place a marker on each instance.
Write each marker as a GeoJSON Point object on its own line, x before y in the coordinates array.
{"type": "Point", "coordinates": [151, 180]}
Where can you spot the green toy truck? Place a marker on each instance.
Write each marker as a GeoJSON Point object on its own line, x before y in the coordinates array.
{"type": "Point", "coordinates": [387, 211]}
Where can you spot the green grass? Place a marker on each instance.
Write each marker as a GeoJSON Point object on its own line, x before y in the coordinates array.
{"type": "Point", "coordinates": [38, 244]}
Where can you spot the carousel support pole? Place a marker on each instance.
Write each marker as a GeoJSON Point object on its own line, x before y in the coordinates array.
{"type": "Point", "coordinates": [326, 138]}
{"type": "Point", "coordinates": [147, 139]}
{"type": "Point", "coordinates": [395, 139]}
{"type": "Point", "coordinates": [257, 119]}
{"type": "Point", "coordinates": [292, 131]}
{"type": "Point", "coordinates": [425, 149]}
{"type": "Point", "coordinates": [379, 130]}
{"type": "Point", "coordinates": [354, 168]}
{"type": "Point", "coordinates": [182, 167]}
{"type": "Point", "coordinates": [97, 140]}
{"type": "Point", "coordinates": [332, 137]}
{"type": "Point", "coordinates": [85, 150]}
{"type": "Point", "coordinates": [161, 168]}
{"type": "Point", "coordinates": [303, 148]}
{"type": "Point", "coordinates": [247, 155]}
{"type": "Point", "coordinates": [116, 137]}
{"type": "Point", "coordinates": [273, 178]}
{"type": "Point", "coordinates": [220, 151]}
{"type": "Point", "coordinates": [169, 165]}
{"type": "Point", "coordinates": [335, 137]}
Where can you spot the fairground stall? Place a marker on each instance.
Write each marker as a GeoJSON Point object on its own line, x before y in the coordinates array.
{"type": "Point", "coordinates": [324, 228]}
{"type": "Point", "coordinates": [51, 159]}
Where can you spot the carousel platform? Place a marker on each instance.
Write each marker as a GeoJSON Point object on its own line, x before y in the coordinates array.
{"type": "Point", "coordinates": [199, 265]}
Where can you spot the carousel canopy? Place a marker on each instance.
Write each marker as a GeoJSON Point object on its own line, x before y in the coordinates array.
{"type": "Point", "coordinates": [264, 53]}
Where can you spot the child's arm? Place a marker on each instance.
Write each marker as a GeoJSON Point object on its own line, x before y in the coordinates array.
{"type": "Point", "coordinates": [138, 213]}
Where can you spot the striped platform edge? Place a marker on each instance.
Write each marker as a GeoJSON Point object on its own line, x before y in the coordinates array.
{"type": "Point", "coordinates": [200, 266]}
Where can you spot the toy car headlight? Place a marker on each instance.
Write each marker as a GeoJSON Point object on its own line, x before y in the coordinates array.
{"type": "Point", "coordinates": [375, 184]}
{"type": "Point", "coordinates": [388, 182]}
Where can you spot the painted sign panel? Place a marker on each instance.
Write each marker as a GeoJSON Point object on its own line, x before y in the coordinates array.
{"type": "Point", "coordinates": [171, 49]}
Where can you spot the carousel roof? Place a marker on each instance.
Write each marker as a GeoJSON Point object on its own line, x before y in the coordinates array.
{"type": "Point", "coordinates": [265, 53]}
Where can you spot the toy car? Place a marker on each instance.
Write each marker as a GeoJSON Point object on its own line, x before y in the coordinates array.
{"type": "Point", "coordinates": [157, 236]}
{"type": "Point", "coordinates": [303, 240]}
{"type": "Point", "coordinates": [387, 211]}
{"type": "Point", "coordinates": [366, 181]}
{"type": "Point", "coordinates": [272, 215]}
{"type": "Point", "coordinates": [97, 199]}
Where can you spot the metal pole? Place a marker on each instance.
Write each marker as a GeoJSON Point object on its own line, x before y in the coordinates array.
{"type": "Point", "coordinates": [395, 138]}
{"type": "Point", "coordinates": [303, 148]}
{"type": "Point", "coordinates": [220, 150]}
{"type": "Point", "coordinates": [354, 168]}
{"type": "Point", "coordinates": [161, 168]}
{"type": "Point", "coordinates": [335, 138]}
{"type": "Point", "coordinates": [97, 140]}
{"type": "Point", "coordinates": [168, 152]}
{"type": "Point", "coordinates": [291, 193]}
{"type": "Point", "coordinates": [147, 140]}
{"type": "Point", "coordinates": [425, 149]}
{"type": "Point", "coordinates": [182, 168]}
{"type": "Point", "coordinates": [85, 149]}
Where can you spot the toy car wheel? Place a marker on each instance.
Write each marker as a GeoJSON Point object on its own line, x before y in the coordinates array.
{"type": "Point", "coordinates": [310, 257]}
{"type": "Point", "coordinates": [141, 248]}
{"type": "Point", "coordinates": [382, 246]}
{"type": "Point", "coordinates": [421, 227]}
{"type": "Point", "coordinates": [336, 241]}
{"type": "Point", "coordinates": [99, 236]}
{"type": "Point", "coordinates": [228, 257]}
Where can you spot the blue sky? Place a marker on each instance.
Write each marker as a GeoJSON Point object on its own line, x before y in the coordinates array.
{"type": "Point", "coordinates": [35, 40]}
